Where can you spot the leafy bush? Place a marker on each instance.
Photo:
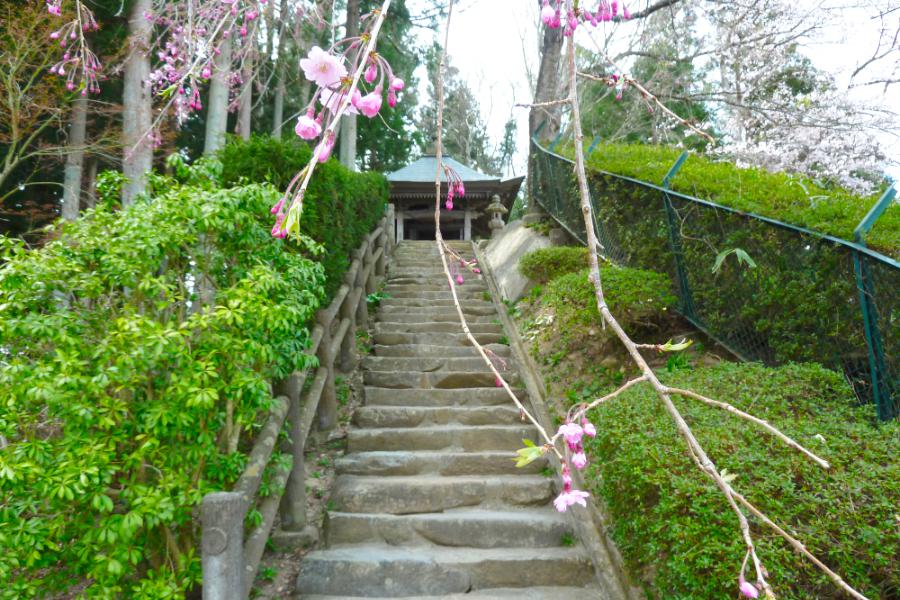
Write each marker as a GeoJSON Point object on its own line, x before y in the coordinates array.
{"type": "Point", "coordinates": [635, 296]}
{"type": "Point", "coordinates": [790, 198]}
{"type": "Point", "coordinates": [124, 398]}
{"type": "Point", "coordinates": [677, 532]}
{"type": "Point", "coordinates": [340, 207]}
{"type": "Point", "coordinates": [545, 264]}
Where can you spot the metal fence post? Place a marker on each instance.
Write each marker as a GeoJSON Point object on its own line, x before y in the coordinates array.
{"type": "Point", "coordinates": [222, 545]}
{"type": "Point", "coordinates": [684, 289]}
{"type": "Point", "coordinates": [878, 372]}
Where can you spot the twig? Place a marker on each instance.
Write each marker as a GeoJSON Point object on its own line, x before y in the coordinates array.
{"type": "Point", "coordinates": [542, 104]}
{"type": "Point", "coordinates": [761, 422]}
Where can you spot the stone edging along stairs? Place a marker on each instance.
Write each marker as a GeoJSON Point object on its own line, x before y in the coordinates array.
{"type": "Point", "coordinates": [428, 502]}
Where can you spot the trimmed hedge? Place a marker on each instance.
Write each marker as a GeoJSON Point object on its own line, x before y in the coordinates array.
{"type": "Point", "coordinates": [634, 296]}
{"type": "Point", "coordinates": [340, 207]}
{"type": "Point", "coordinates": [545, 264]}
{"type": "Point", "coordinates": [790, 198]}
{"type": "Point", "coordinates": [122, 402]}
{"type": "Point", "coordinates": [675, 529]}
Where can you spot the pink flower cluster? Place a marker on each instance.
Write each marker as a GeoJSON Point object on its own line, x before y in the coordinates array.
{"type": "Point", "coordinates": [551, 15]}
{"type": "Point", "coordinates": [328, 71]}
{"type": "Point", "coordinates": [572, 434]}
{"type": "Point", "coordinates": [77, 61]}
{"type": "Point", "coordinates": [455, 186]}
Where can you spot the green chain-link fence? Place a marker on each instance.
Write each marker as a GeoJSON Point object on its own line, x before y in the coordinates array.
{"type": "Point", "coordinates": [811, 297]}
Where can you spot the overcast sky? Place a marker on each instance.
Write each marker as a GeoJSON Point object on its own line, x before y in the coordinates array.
{"type": "Point", "coordinates": [494, 44]}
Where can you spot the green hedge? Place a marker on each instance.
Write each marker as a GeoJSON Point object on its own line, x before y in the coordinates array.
{"type": "Point", "coordinates": [121, 402]}
{"type": "Point", "coordinates": [678, 534]}
{"type": "Point", "coordinates": [545, 264]}
{"type": "Point", "coordinates": [340, 207]}
{"type": "Point", "coordinates": [789, 198]}
{"type": "Point", "coordinates": [635, 296]}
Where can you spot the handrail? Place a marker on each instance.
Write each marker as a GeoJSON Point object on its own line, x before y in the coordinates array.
{"type": "Point", "coordinates": [229, 561]}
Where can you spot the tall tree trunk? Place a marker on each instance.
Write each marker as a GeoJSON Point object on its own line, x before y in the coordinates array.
{"type": "Point", "coordinates": [348, 122]}
{"type": "Point", "coordinates": [137, 113]}
{"type": "Point", "coordinates": [217, 116]}
{"type": "Point", "coordinates": [90, 183]}
{"type": "Point", "coordinates": [548, 85]}
{"type": "Point", "coordinates": [75, 159]}
{"type": "Point", "coordinates": [245, 107]}
{"type": "Point", "coordinates": [278, 104]}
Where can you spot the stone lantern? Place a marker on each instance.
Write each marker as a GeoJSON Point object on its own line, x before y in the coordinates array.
{"type": "Point", "coordinates": [496, 210]}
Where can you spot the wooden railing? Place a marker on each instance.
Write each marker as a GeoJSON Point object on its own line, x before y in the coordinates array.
{"type": "Point", "coordinates": [230, 561]}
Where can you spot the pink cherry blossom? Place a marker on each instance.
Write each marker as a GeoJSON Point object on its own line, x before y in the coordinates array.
{"type": "Point", "coordinates": [331, 100]}
{"type": "Point", "coordinates": [589, 429]}
{"type": "Point", "coordinates": [747, 589]}
{"type": "Point", "coordinates": [567, 499]}
{"type": "Point", "coordinates": [459, 280]}
{"type": "Point", "coordinates": [449, 203]}
{"type": "Point", "coordinates": [371, 73]}
{"type": "Point", "coordinates": [392, 98]}
{"type": "Point", "coordinates": [307, 127]}
{"type": "Point", "coordinates": [323, 68]}
{"type": "Point", "coordinates": [325, 147]}
{"type": "Point", "coordinates": [278, 206]}
{"type": "Point", "coordinates": [579, 460]}
{"type": "Point", "coordinates": [547, 13]}
{"type": "Point", "coordinates": [370, 104]}
{"type": "Point", "coordinates": [397, 84]}
{"type": "Point", "coordinates": [572, 432]}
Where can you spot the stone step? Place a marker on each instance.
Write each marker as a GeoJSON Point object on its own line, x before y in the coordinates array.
{"type": "Point", "coordinates": [427, 493]}
{"type": "Point", "coordinates": [481, 438]}
{"type": "Point", "coordinates": [435, 303]}
{"type": "Point", "coordinates": [385, 571]}
{"type": "Point", "coordinates": [434, 363]}
{"type": "Point", "coordinates": [473, 528]}
{"type": "Point", "coordinates": [441, 315]}
{"type": "Point", "coordinates": [467, 287]}
{"type": "Point", "coordinates": [462, 292]}
{"type": "Point", "coordinates": [443, 380]}
{"type": "Point", "coordinates": [423, 351]}
{"type": "Point", "coordinates": [425, 416]}
{"type": "Point", "coordinates": [434, 463]}
{"type": "Point", "coordinates": [492, 396]}
{"type": "Point", "coordinates": [531, 593]}
{"type": "Point", "coordinates": [425, 276]}
{"type": "Point", "coordinates": [434, 327]}
{"type": "Point", "coordinates": [436, 339]}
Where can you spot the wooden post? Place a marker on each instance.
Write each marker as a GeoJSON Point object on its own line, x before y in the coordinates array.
{"type": "Point", "coordinates": [328, 401]}
{"type": "Point", "coordinates": [293, 503]}
{"type": "Point", "coordinates": [222, 545]}
{"type": "Point", "coordinates": [348, 344]}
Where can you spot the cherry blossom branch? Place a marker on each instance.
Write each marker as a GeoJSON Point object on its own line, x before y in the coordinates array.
{"type": "Point", "coordinates": [443, 248]}
{"type": "Point", "coordinates": [697, 452]}
{"type": "Point", "coordinates": [542, 104]}
{"type": "Point", "coordinates": [761, 422]}
{"type": "Point", "coordinates": [626, 80]}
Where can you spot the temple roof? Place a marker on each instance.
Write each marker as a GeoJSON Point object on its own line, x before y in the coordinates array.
{"type": "Point", "coordinates": [423, 170]}
{"type": "Point", "coordinates": [416, 181]}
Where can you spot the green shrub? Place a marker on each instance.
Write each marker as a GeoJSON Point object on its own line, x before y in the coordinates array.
{"type": "Point", "coordinates": [339, 209]}
{"type": "Point", "coordinates": [122, 401]}
{"type": "Point", "coordinates": [545, 264]}
{"type": "Point", "coordinates": [676, 530]}
{"type": "Point", "coordinates": [635, 296]}
{"type": "Point", "coordinates": [793, 199]}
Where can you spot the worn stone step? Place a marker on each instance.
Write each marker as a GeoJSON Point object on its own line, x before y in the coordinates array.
{"type": "Point", "coordinates": [384, 571]}
{"type": "Point", "coordinates": [481, 438]}
{"type": "Point", "coordinates": [434, 327]}
{"type": "Point", "coordinates": [427, 493]}
{"type": "Point", "coordinates": [434, 463]}
{"type": "Point", "coordinates": [426, 276]}
{"type": "Point", "coordinates": [531, 593]}
{"type": "Point", "coordinates": [435, 303]}
{"type": "Point", "coordinates": [493, 396]}
{"type": "Point", "coordinates": [469, 286]}
{"type": "Point", "coordinates": [434, 363]}
{"type": "Point", "coordinates": [422, 350]}
{"type": "Point", "coordinates": [474, 528]}
{"type": "Point", "coordinates": [425, 416]}
{"type": "Point", "coordinates": [462, 292]}
{"type": "Point", "coordinates": [436, 339]}
{"type": "Point", "coordinates": [441, 315]}
{"type": "Point", "coordinates": [444, 380]}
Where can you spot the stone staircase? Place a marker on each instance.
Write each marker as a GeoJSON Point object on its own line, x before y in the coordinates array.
{"type": "Point", "coordinates": [428, 502]}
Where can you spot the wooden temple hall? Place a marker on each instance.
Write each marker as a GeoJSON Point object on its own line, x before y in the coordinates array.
{"type": "Point", "coordinates": [478, 214]}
